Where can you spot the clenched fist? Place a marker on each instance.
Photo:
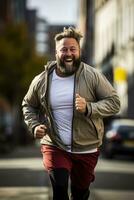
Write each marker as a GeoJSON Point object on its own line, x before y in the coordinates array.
{"type": "Point", "coordinates": [80, 103]}
{"type": "Point", "coordinates": [40, 131]}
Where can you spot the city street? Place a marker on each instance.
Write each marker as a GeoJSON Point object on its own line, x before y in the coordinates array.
{"type": "Point", "coordinates": [22, 177]}
{"type": "Point", "coordinates": [65, 68]}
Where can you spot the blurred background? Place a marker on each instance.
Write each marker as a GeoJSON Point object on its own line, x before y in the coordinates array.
{"type": "Point", "coordinates": [27, 30]}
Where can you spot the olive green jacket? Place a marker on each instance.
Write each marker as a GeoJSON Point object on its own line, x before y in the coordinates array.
{"type": "Point", "coordinates": [87, 130]}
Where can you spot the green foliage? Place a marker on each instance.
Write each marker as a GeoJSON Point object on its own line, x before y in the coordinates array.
{"type": "Point", "coordinates": [18, 62]}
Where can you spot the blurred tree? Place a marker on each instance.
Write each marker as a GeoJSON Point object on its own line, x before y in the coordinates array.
{"type": "Point", "coordinates": [18, 65]}
{"type": "Point", "coordinates": [18, 62]}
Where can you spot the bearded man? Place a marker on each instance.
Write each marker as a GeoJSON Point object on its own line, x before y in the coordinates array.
{"type": "Point", "coordinates": [64, 107]}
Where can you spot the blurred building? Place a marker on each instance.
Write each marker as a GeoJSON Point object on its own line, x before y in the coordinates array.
{"type": "Point", "coordinates": [12, 11]}
{"type": "Point", "coordinates": [87, 25]}
{"type": "Point", "coordinates": [38, 31]}
{"type": "Point", "coordinates": [41, 36]}
{"type": "Point", "coordinates": [108, 44]}
{"type": "Point", "coordinates": [31, 23]}
{"type": "Point", "coordinates": [16, 12]}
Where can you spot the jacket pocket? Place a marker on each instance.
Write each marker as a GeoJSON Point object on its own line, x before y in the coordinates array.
{"type": "Point", "coordinates": [84, 131]}
{"type": "Point", "coordinates": [99, 126]}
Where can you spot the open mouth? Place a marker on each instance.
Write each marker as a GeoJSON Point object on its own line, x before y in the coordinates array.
{"type": "Point", "coordinates": [69, 60]}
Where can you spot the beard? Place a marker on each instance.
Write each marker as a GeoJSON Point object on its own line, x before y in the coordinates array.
{"type": "Point", "coordinates": [68, 68]}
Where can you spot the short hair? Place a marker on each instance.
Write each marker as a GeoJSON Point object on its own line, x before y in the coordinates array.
{"type": "Point", "coordinates": [69, 32]}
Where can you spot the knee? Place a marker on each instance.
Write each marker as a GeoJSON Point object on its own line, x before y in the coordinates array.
{"type": "Point", "coordinates": [59, 181]}
{"type": "Point", "coordinates": [59, 177]}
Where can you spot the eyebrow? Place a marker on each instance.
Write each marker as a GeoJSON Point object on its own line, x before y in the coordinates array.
{"type": "Point", "coordinates": [61, 47]}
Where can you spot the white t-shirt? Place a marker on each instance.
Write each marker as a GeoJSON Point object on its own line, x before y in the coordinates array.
{"type": "Point", "coordinates": [61, 101]}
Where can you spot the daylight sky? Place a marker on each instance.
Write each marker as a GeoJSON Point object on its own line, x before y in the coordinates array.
{"type": "Point", "coordinates": [56, 11]}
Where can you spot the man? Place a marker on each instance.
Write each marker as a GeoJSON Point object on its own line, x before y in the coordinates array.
{"type": "Point", "coordinates": [65, 106]}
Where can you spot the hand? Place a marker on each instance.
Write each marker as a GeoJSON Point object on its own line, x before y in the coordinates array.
{"type": "Point", "coordinates": [80, 103]}
{"type": "Point", "coordinates": [40, 131]}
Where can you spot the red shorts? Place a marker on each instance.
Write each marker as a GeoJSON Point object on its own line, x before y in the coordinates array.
{"type": "Point", "coordinates": [80, 166]}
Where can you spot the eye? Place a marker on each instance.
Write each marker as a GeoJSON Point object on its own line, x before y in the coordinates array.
{"type": "Point", "coordinates": [73, 50]}
{"type": "Point", "coordinates": [63, 50]}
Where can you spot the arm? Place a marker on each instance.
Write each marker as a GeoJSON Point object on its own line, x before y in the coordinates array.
{"type": "Point", "coordinates": [30, 106]}
{"type": "Point", "coordinates": [107, 103]}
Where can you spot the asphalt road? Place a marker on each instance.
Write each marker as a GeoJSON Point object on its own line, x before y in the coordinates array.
{"type": "Point", "coordinates": [22, 177]}
{"type": "Point", "coordinates": [114, 180]}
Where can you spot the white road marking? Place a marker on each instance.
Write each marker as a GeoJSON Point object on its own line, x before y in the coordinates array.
{"type": "Point", "coordinates": [37, 164]}
{"type": "Point", "coordinates": [112, 195]}
{"type": "Point", "coordinates": [19, 193]}
{"type": "Point", "coordinates": [28, 163]}
{"type": "Point", "coordinates": [115, 166]}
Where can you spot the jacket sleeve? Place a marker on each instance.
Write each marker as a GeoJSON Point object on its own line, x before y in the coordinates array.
{"type": "Point", "coordinates": [30, 106]}
{"type": "Point", "coordinates": [107, 103]}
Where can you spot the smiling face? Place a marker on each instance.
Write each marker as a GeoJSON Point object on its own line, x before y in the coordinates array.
{"type": "Point", "coordinates": [67, 56]}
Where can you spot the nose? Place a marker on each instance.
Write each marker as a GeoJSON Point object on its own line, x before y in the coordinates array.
{"type": "Point", "coordinates": [68, 52]}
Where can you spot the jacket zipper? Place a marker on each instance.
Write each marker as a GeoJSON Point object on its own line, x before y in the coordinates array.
{"type": "Point", "coordinates": [45, 102]}
{"type": "Point", "coordinates": [73, 112]}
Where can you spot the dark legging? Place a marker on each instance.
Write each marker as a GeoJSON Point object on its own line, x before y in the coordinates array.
{"type": "Point", "coordinates": [59, 180]}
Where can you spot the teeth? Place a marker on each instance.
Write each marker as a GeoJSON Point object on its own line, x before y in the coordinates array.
{"type": "Point", "coordinates": [69, 60]}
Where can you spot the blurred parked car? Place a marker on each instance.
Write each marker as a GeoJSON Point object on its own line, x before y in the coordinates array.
{"type": "Point", "coordinates": [6, 126]}
{"type": "Point", "coordinates": [119, 138]}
